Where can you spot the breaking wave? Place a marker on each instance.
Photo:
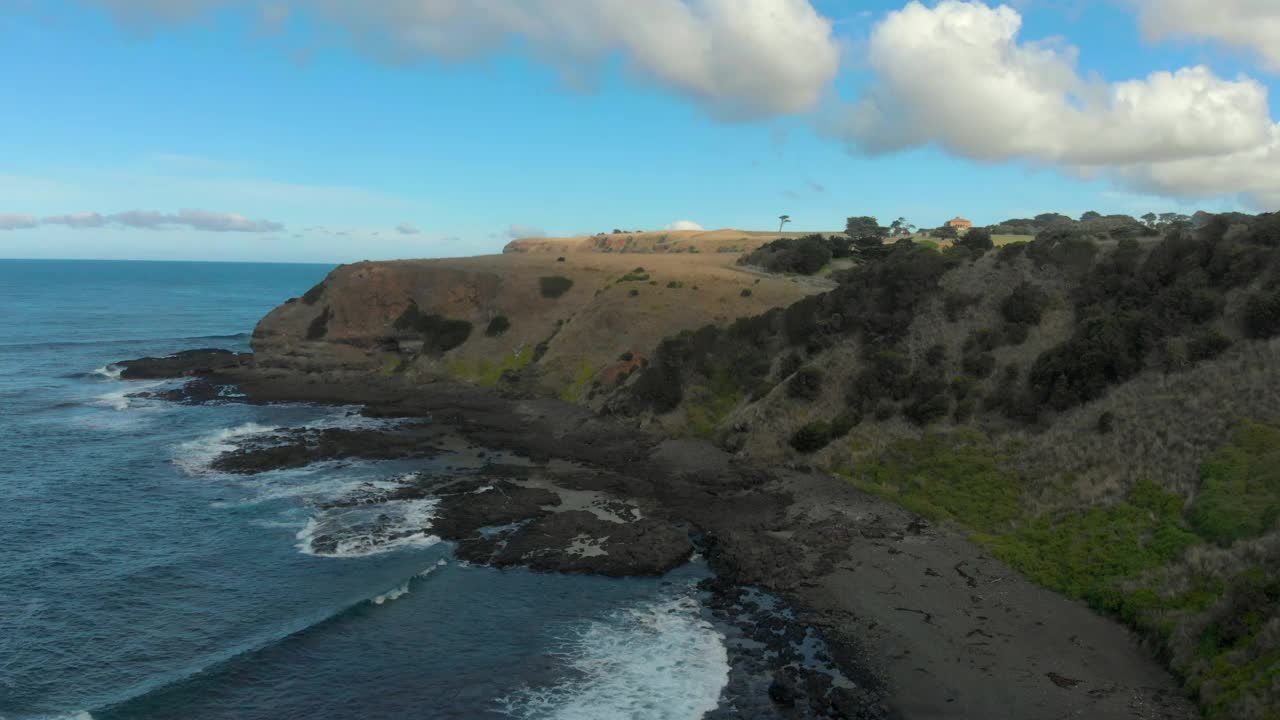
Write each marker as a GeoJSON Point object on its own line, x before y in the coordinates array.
{"type": "Point", "coordinates": [369, 530]}
{"type": "Point", "coordinates": [659, 660]}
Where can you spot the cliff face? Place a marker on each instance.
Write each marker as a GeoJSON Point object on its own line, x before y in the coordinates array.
{"type": "Point", "coordinates": [560, 324]}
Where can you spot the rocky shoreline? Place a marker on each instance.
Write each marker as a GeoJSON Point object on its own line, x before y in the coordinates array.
{"type": "Point", "coordinates": [838, 604]}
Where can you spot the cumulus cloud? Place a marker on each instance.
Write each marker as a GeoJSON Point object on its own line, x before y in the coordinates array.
{"type": "Point", "coordinates": [525, 231]}
{"type": "Point", "coordinates": [17, 221]}
{"type": "Point", "coordinates": [684, 225]}
{"type": "Point", "coordinates": [739, 58]}
{"type": "Point", "coordinates": [77, 220]}
{"type": "Point", "coordinates": [407, 229]}
{"type": "Point", "coordinates": [957, 75]}
{"type": "Point", "coordinates": [1252, 25]}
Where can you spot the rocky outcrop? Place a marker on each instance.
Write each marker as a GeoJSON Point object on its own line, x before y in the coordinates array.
{"type": "Point", "coordinates": [188, 363]}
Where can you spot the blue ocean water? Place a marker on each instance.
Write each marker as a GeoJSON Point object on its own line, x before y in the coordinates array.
{"type": "Point", "coordinates": [137, 583]}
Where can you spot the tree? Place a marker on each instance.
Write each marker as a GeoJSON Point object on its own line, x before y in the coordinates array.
{"type": "Point", "coordinates": [1045, 219]}
{"type": "Point", "coordinates": [901, 227]}
{"type": "Point", "coordinates": [977, 241]}
{"type": "Point", "coordinates": [783, 220]}
{"type": "Point", "coordinates": [1090, 215]}
{"type": "Point", "coordinates": [1150, 219]}
{"type": "Point", "coordinates": [865, 228]}
{"type": "Point", "coordinates": [946, 232]}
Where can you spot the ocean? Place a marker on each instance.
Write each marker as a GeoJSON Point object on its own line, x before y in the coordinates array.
{"type": "Point", "coordinates": [136, 582]}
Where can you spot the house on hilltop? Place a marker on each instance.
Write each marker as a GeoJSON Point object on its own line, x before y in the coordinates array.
{"type": "Point", "coordinates": [960, 223]}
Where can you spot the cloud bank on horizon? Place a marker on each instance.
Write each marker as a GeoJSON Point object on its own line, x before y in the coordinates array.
{"type": "Point", "coordinates": [146, 219]}
{"type": "Point", "coordinates": [1181, 132]}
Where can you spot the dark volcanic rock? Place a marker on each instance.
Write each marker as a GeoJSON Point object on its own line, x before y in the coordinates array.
{"type": "Point", "coordinates": [481, 504]}
{"type": "Point", "coordinates": [187, 363]}
{"type": "Point", "coordinates": [783, 690]}
{"type": "Point", "coordinates": [580, 542]}
{"type": "Point", "coordinates": [297, 448]}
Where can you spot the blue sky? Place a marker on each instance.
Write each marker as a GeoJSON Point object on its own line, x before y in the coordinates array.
{"type": "Point", "coordinates": [291, 121]}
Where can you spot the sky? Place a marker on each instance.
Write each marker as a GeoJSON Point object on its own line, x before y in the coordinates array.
{"type": "Point", "coordinates": [342, 130]}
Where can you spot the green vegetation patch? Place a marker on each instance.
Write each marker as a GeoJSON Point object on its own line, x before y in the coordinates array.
{"type": "Point", "coordinates": [1086, 555]}
{"type": "Point", "coordinates": [487, 373]}
{"type": "Point", "coordinates": [578, 386]}
{"type": "Point", "coordinates": [1240, 494]}
{"type": "Point", "coordinates": [1212, 619]}
{"type": "Point", "coordinates": [553, 286]}
{"type": "Point", "coordinates": [946, 476]}
{"type": "Point", "coordinates": [707, 405]}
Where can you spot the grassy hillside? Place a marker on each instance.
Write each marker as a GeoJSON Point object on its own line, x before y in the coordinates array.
{"type": "Point", "coordinates": [1099, 406]}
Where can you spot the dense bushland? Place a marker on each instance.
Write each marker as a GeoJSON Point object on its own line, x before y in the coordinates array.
{"type": "Point", "coordinates": [801, 256]}
{"type": "Point", "coordinates": [972, 343]}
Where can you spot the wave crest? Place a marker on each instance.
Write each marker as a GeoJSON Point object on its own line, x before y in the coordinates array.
{"type": "Point", "coordinates": [659, 660]}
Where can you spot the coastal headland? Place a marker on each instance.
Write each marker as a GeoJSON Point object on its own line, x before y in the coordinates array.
{"type": "Point", "coordinates": [538, 367]}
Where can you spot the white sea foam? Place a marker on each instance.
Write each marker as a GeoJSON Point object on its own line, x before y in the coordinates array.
{"type": "Point", "coordinates": [391, 595]}
{"type": "Point", "coordinates": [439, 564]}
{"type": "Point", "coordinates": [369, 530]}
{"type": "Point", "coordinates": [110, 372]}
{"type": "Point", "coordinates": [195, 456]}
{"type": "Point", "coordinates": [657, 660]}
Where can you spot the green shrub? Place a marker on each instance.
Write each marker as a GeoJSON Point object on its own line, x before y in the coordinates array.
{"type": "Point", "coordinates": [927, 409]}
{"type": "Point", "coordinates": [1086, 554]}
{"type": "Point", "coordinates": [977, 241]}
{"type": "Point", "coordinates": [811, 437]}
{"type": "Point", "coordinates": [802, 256]}
{"type": "Point", "coordinates": [553, 286]}
{"type": "Point", "coordinates": [438, 334]}
{"type": "Point", "coordinates": [1025, 304]}
{"type": "Point", "coordinates": [935, 356]}
{"type": "Point", "coordinates": [497, 326]}
{"type": "Point", "coordinates": [979, 365]}
{"type": "Point", "coordinates": [634, 293]}
{"type": "Point", "coordinates": [1262, 315]}
{"type": "Point", "coordinates": [1009, 253]}
{"type": "Point", "coordinates": [805, 384]}
{"type": "Point", "coordinates": [319, 327]}
{"type": "Point", "coordinates": [1239, 496]}
{"type": "Point", "coordinates": [946, 476]}
{"type": "Point", "coordinates": [955, 303]}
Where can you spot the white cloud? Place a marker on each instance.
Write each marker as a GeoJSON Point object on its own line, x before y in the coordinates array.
{"type": "Point", "coordinates": [739, 58]}
{"type": "Point", "coordinates": [525, 231]}
{"type": "Point", "coordinates": [407, 229]}
{"type": "Point", "coordinates": [1252, 25]}
{"type": "Point", "coordinates": [223, 222]}
{"type": "Point", "coordinates": [957, 75]}
{"type": "Point", "coordinates": [77, 220]}
{"type": "Point", "coordinates": [17, 221]}
{"type": "Point", "coordinates": [684, 225]}
{"type": "Point", "coordinates": [153, 220]}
